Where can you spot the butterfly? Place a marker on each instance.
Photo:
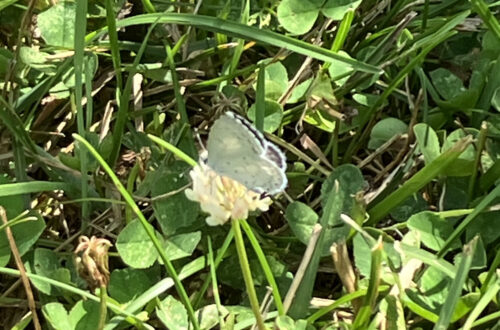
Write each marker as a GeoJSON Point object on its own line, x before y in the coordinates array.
{"type": "Point", "coordinates": [239, 151]}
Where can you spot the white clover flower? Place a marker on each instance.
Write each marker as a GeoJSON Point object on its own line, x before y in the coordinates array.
{"type": "Point", "coordinates": [221, 197]}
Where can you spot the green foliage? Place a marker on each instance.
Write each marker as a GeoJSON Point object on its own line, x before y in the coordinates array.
{"type": "Point", "coordinates": [273, 115]}
{"type": "Point", "coordinates": [172, 313]}
{"type": "Point", "coordinates": [384, 130]}
{"type": "Point", "coordinates": [84, 315]}
{"type": "Point", "coordinates": [46, 263]}
{"type": "Point", "coordinates": [57, 24]}
{"type": "Point", "coordinates": [135, 247]}
{"type": "Point", "coordinates": [128, 283]}
{"type": "Point", "coordinates": [174, 212]}
{"type": "Point", "coordinates": [301, 219]}
{"type": "Point", "coordinates": [387, 113]}
{"type": "Point", "coordinates": [432, 229]}
{"type": "Point", "coordinates": [25, 234]}
{"type": "Point", "coordinates": [299, 16]}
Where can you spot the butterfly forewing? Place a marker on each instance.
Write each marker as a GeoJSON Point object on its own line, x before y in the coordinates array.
{"type": "Point", "coordinates": [239, 152]}
{"type": "Point", "coordinates": [228, 137]}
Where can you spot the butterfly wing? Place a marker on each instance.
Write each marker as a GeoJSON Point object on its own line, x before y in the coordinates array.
{"type": "Point", "coordinates": [228, 138]}
{"type": "Point", "coordinates": [256, 173]}
{"type": "Point", "coordinates": [235, 150]}
{"type": "Point", "coordinates": [275, 155]}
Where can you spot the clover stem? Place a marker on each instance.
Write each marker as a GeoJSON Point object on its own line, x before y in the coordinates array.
{"type": "Point", "coordinates": [247, 275]}
{"type": "Point", "coordinates": [103, 308]}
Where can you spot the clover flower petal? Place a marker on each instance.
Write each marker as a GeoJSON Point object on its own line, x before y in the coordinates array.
{"type": "Point", "coordinates": [223, 198]}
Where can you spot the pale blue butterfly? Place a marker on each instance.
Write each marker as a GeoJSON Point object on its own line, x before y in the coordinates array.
{"type": "Point", "coordinates": [239, 151]}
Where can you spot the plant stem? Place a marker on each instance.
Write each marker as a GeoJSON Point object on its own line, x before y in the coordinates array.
{"type": "Point", "coordinates": [265, 266]}
{"type": "Point", "coordinates": [247, 275]}
{"type": "Point", "coordinates": [147, 227]}
{"type": "Point", "coordinates": [103, 308]}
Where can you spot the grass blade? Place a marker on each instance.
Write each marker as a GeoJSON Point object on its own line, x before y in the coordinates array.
{"type": "Point", "coordinates": [488, 18]}
{"type": "Point", "coordinates": [456, 286]}
{"type": "Point", "coordinates": [260, 100]}
{"type": "Point", "coordinates": [363, 316]}
{"type": "Point", "coordinates": [131, 203]}
{"type": "Point", "coordinates": [124, 100]}
{"type": "Point", "coordinates": [78, 61]}
{"type": "Point", "coordinates": [82, 293]}
{"type": "Point", "coordinates": [247, 274]}
{"type": "Point", "coordinates": [244, 32]}
{"type": "Point", "coordinates": [173, 149]}
{"type": "Point", "coordinates": [418, 181]}
{"type": "Point", "coordinates": [265, 266]}
{"type": "Point", "coordinates": [156, 290]}
{"type": "Point", "coordinates": [481, 305]}
{"type": "Point", "coordinates": [20, 188]}
{"type": "Point", "coordinates": [492, 196]}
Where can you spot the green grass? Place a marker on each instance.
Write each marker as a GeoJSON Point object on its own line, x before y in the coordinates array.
{"type": "Point", "coordinates": [387, 113]}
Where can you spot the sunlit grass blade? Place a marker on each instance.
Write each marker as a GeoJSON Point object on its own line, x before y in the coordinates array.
{"type": "Point", "coordinates": [7, 3]}
{"type": "Point", "coordinates": [247, 274]}
{"type": "Point", "coordinates": [429, 259]}
{"type": "Point", "coordinates": [131, 318]}
{"type": "Point", "coordinates": [342, 301]}
{"type": "Point", "coordinates": [490, 294]}
{"type": "Point", "coordinates": [17, 220]}
{"type": "Point", "coordinates": [19, 188]}
{"type": "Point", "coordinates": [343, 30]}
{"type": "Point", "coordinates": [487, 319]}
{"type": "Point", "coordinates": [265, 266]}
{"type": "Point", "coordinates": [366, 310]}
{"type": "Point", "coordinates": [148, 6]}
{"type": "Point", "coordinates": [78, 60]}
{"type": "Point", "coordinates": [451, 301]}
{"type": "Point", "coordinates": [418, 181]}
{"type": "Point", "coordinates": [173, 149]}
{"type": "Point", "coordinates": [156, 290]}
{"type": "Point", "coordinates": [157, 244]}
{"type": "Point", "coordinates": [420, 311]}
{"type": "Point", "coordinates": [487, 16]}
{"type": "Point", "coordinates": [485, 202]}
{"type": "Point", "coordinates": [244, 32]}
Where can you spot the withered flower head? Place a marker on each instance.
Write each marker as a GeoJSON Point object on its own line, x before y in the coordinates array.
{"type": "Point", "coordinates": [92, 260]}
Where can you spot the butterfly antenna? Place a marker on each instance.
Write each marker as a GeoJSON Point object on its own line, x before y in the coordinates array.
{"type": "Point", "coordinates": [204, 152]}
{"type": "Point", "coordinates": [198, 137]}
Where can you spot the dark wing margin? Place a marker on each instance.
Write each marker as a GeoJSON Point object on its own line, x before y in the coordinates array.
{"type": "Point", "coordinates": [275, 155]}
{"type": "Point", "coordinates": [249, 127]}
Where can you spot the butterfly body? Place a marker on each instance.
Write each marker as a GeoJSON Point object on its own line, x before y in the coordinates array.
{"type": "Point", "coordinates": [239, 151]}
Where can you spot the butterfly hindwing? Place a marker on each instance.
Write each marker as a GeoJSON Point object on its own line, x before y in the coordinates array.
{"type": "Point", "coordinates": [275, 155]}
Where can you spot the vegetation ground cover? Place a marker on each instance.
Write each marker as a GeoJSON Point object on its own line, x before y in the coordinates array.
{"type": "Point", "coordinates": [387, 112]}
